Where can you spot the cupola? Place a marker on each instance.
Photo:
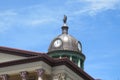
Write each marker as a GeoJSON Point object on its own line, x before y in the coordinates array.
{"type": "Point", "coordinates": [65, 45]}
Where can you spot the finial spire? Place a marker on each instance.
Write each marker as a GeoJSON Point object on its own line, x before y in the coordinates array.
{"type": "Point", "coordinates": [65, 27]}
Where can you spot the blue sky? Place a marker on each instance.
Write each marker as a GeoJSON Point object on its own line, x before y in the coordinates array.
{"type": "Point", "coordinates": [32, 25]}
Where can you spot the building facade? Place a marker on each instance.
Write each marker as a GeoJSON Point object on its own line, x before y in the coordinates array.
{"type": "Point", "coordinates": [64, 61]}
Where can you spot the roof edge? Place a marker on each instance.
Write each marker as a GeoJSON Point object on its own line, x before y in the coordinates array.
{"type": "Point", "coordinates": [18, 52]}
{"type": "Point", "coordinates": [52, 62]}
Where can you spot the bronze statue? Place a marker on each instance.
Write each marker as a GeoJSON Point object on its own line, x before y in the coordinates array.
{"type": "Point", "coordinates": [65, 19]}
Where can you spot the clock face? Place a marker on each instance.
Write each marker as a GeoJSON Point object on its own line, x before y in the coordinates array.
{"type": "Point", "coordinates": [57, 43]}
{"type": "Point", "coordinates": [79, 46]}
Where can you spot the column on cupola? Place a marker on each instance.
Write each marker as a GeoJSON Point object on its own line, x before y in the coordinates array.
{"type": "Point", "coordinates": [4, 77]}
{"type": "Point", "coordinates": [60, 57]}
{"type": "Point", "coordinates": [40, 73]}
{"type": "Point", "coordinates": [24, 75]}
{"type": "Point", "coordinates": [70, 58]}
{"type": "Point", "coordinates": [82, 65]}
{"type": "Point", "coordinates": [79, 63]}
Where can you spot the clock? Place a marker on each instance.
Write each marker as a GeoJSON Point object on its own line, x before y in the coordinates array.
{"type": "Point", "coordinates": [79, 46]}
{"type": "Point", "coordinates": [57, 43]}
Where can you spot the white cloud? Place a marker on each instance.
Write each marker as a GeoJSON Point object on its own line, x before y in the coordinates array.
{"type": "Point", "coordinates": [36, 22]}
{"type": "Point", "coordinates": [93, 7]}
{"type": "Point", "coordinates": [26, 17]}
{"type": "Point", "coordinates": [6, 19]}
{"type": "Point", "coordinates": [36, 15]}
{"type": "Point", "coordinates": [7, 13]}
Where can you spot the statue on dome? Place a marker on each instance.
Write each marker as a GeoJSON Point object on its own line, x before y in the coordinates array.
{"type": "Point", "coordinates": [65, 19]}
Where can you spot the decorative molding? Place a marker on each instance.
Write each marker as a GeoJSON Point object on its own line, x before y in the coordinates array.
{"type": "Point", "coordinates": [4, 77]}
{"type": "Point", "coordinates": [23, 75]}
{"type": "Point", "coordinates": [60, 76]}
{"type": "Point", "coordinates": [40, 73]}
